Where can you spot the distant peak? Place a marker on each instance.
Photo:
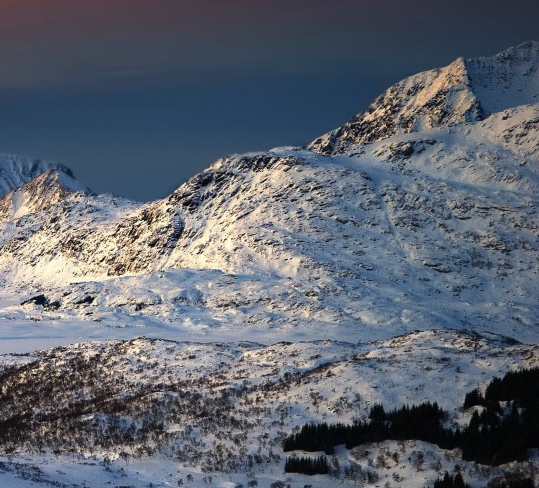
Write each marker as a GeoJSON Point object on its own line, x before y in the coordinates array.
{"type": "Point", "coordinates": [523, 51]}
{"type": "Point", "coordinates": [508, 79]}
{"type": "Point", "coordinates": [15, 171]}
{"type": "Point", "coordinates": [44, 190]}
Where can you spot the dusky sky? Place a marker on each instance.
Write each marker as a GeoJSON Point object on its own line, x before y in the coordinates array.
{"type": "Point", "coordinates": [136, 96]}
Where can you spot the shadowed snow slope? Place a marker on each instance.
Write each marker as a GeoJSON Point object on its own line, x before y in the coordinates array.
{"type": "Point", "coordinates": [419, 213]}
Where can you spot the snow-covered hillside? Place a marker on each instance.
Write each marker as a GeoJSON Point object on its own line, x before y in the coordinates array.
{"type": "Point", "coordinates": [221, 410]}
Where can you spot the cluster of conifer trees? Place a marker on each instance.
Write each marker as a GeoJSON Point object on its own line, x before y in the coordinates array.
{"type": "Point", "coordinates": [450, 481]}
{"type": "Point", "coordinates": [307, 465]}
{"type": "Point", "coordinates": [509, 423]}
{"type": "Point", "coordinates": [505, 429]}
{"type": "Point", "coordinates": [415, 422]}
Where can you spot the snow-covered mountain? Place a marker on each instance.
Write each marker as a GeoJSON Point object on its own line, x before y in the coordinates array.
{"type": "Point", "coordinates": [35, 195]}
{"type": "Point", "coordinates": [15, 171]}
{"type": "Point", "coordinates": [420, 213]}
{"type": "Point", "coordinates": [411, 233]}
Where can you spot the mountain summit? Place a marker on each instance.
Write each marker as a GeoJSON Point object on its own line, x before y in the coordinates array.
{"type": "Point", "coordinates": [31, 185]}
{"type": "Point", "coordinates": [420, 213]}
{"type": "Point", "coordinates": [465, 91]}
{"type": "Point", "coordinates": [40, 192]}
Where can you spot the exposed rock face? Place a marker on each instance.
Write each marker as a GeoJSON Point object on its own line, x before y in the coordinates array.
{"type": "Point", "coordinates": [144, 240]}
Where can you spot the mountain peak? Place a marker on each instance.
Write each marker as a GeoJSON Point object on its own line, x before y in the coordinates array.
{"type": "Point", "coordinates": [45, 189]}
{"type": "Point", "coordinates": [18, 170]}
{"type": "Point", "coordinates": [464, 91]}
{"type": "Point", "coordinates": [526, 51]}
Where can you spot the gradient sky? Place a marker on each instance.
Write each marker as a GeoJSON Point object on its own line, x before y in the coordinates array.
{"type": "Point", "coordinates": [136, 96]}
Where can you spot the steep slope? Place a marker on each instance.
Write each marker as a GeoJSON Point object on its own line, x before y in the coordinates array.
{"type": "Point", "coordinates": [464, 91]}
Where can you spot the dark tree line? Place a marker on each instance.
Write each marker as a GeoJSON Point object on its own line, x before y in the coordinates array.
{"type": "Point", "coordinates": [450, 481]}
{"type": "Point", "coordinates": [307, 465]}
{"type": "Point", "coordinates": [421, 422]}
{"type": "Point", "coordinates": [517, 386]}
{"type": "Point", "coordinates": [500, 434]}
